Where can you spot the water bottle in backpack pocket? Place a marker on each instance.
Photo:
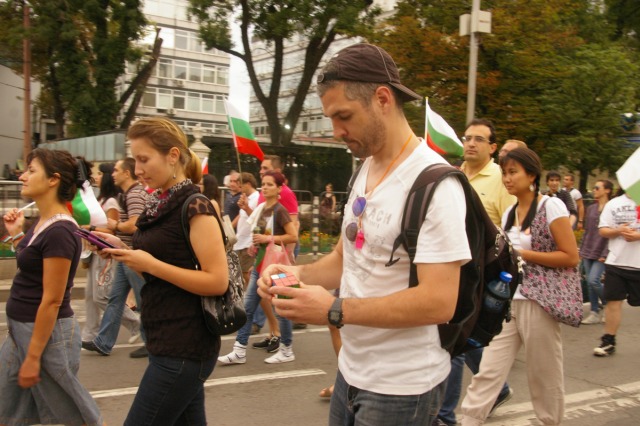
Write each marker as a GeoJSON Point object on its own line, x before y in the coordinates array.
{"type": "Point", "coordinates": [496, 298]}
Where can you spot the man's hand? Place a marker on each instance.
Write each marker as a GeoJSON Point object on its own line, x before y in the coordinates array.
{"type": "Point", "coordinates": [264, 282]}
{"type": "Point", "coordinates": [308, 304]}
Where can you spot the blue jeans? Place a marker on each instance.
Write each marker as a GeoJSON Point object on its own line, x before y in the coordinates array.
{"type": "Point", "coordinates": [454, 383]}
{"type": "Point", "coordinates": [353, 406]}
{"type": "Point", "coordinates": [124, 279]}
{"type": "Point", "coordinates": [59, 398]}
{"type": "Point", "coordinates": [259, 318]}
{"type": "Point", "coordinates": [251, 303]}
{"type": "Point", "coordinates": [593, 270]}
{"type": "Point", "coordinates": [171, 392]}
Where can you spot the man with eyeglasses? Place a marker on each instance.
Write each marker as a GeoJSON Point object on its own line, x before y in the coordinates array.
{"type": "Point", "coordinates": [485, 176]}
{"type": "Point", "coordinates": [391, 368]}
{"type": "Point", "coordinates": [232, 197]}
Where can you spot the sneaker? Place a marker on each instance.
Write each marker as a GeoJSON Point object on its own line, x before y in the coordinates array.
{"type": "Point", "coordinates": [139, 353]}
{"type": "Point", "coordinates": [593, 318]}
{"type": "Point", "coordinates": [237, 356]}
{"type": "Point", "coordinates": [90, 346]}
{"type": "Point", "coordinates": [135, 336]}
{"type": "Point", "coordinates": [255, 329]}
{"type": "Point", "coordinates": [284, 354]}
{"type": "Point", "coordinates": [299, 326]}
{"type": "Point", "coordinates": [439, 422]}
{"type": "Point", "coordinates": [502, 398]}
{"type": "Point", "coordinates": [607, 347]}
{"type": "Point", "coordinates": [271, 344]}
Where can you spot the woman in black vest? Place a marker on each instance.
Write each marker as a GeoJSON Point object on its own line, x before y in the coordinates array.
{"type": "Point", "coordinates": [182, 352]}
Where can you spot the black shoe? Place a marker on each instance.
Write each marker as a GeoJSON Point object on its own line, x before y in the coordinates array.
{"type": "Point", "coordinates": [299, 326]}
{"type": "Point", "coordinates": [607, 347]}
{"type": "Point", "coordinates": [139, 353]}
{"type": "Point", "coordinates": [271, 344]}
{"type": "Point", "coordinates": [500, 401]}
{"type": "Point", "coordinates": [90, 346]}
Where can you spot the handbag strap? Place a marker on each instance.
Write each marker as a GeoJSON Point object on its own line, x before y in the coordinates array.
{"type": "Point", "coordinates": [184, 221]}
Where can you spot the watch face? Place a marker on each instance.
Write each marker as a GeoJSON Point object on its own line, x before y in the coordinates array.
{"type": "Point", "coordinates": [334, 316]}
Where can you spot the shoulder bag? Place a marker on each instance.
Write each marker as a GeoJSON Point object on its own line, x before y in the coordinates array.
{"type": "Point", "coordinates": [222, 314]}
{"type": "Point", "coordinates": [556, 290]}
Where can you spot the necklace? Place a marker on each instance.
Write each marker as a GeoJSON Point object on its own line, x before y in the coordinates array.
{"type": "Point", "coordinates": [359, 238]}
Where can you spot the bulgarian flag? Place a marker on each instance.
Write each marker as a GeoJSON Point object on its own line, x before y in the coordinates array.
{"type": "Point", "coordinates": [440, 136]}
{"type": "Point", "coordinates": [205, 166]}
{"type": "Point", "coordinates": [243, 138]}
{"type": "Point", "coordinates": [629, 177]}
{"type": "Point", "coordinates": [85, 208]}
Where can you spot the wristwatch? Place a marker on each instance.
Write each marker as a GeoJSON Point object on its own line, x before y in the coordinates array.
{"type": "Point", "coordinates": [335, 313]}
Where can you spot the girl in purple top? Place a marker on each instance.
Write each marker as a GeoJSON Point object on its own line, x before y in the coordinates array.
{"type": "Point", "coordinates": [594, 250]}
{"type": "Point", "coordinates": [39, 360]}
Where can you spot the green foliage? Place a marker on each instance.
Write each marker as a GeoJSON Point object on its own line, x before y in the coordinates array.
{"type": "Point", "coordinates": [549, 73]}
{"type": "Point", "coordinates": [79, 49]}
{"type": "Point", "coordinates": [315, 23]}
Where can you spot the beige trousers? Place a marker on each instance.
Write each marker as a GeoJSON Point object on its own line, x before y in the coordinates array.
{"type": "Point", "coordinates": [534, 329]}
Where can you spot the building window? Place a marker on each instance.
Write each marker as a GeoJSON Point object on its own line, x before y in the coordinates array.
{"type": "Point", "coordinates": [164, 68]}
{"type": "Point", "coordinates": [179, 100]}
{"type": "Point", "coordinates": [207, 103]}
{"type": "Point", "coordinates": [223, 76]}
{"type": "Point", "coordinates": [195, 71]}
{"type": "Point", "coordinates": [182, 40]}
{"type": "Point", "coordinates": [164, 98]}
{"type": "Point", "coordinates": [208, 74]}
{"type": "Point", "coordinates": [180, 70]}
{"type": "Point", "coordinates": [149, 98]}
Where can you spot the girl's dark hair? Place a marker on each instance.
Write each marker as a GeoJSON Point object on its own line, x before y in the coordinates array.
{"type": "Point", "coordinates": [531, 164]}
{"type": "Point", "coordinates": [607, 184]}
{"type": "Point", "coordinates": [61, 163]}
{"type": "Point", "coordinates": [85, 171]}
{"type": "Point", "coordinates": [210, 187]}
{"type": "Point", "coordinates": [277, 176]}
{"type": "Point", "coordinates": [108, 188]}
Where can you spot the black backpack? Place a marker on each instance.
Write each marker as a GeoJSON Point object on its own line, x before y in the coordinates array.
{"type": "Point", "coordinates": [491, 253]}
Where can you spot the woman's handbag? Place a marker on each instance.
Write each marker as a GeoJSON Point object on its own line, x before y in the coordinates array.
{"type": "Point", "coordinates": [229, 232]}
{"type": "Point", "coordinates": [556, 290]}
{"type": "Point", "coordinates": [222, 314]}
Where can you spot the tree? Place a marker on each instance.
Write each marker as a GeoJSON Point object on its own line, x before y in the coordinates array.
{"type": "Point", "coordinates": [316, 23]}
{"type": "Point", "coordinates": [79, 50]}
{"type": "Point", "coordinates": [583, 112]}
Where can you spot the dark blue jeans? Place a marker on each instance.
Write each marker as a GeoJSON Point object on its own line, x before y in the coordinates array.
{"type": "Point", "coordinates": [454, 384]}
{"type": "Point", "coordinates": [171, 393]}
{"type": "Point", "coordinates": [353, 406]}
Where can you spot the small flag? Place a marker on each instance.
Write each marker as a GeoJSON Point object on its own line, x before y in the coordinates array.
{"type": "Point", "coordinates": [85, 208]}
{"type": "Point", "coordinates": [440, 136]}
{"type": "Point", "coordinates": [205, 166]}
{"type": "Point", "coordinates": [629, 176]}
{"type": "Point", "coordinates": [243, 138]}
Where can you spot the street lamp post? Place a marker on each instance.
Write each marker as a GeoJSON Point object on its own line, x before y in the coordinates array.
{"type": "Point", "coordinates": [472, 25]}
{"type": "Point", "coordinates": [201, 150]}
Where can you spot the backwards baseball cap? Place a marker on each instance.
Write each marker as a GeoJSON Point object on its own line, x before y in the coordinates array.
{"type": "Point", "coordinates": [369, 64]}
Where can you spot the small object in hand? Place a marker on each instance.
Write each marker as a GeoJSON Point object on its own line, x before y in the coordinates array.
{"type": "Point", "coordinates": [284, 280]}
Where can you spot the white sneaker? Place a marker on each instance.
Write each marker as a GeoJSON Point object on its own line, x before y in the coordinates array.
{"type": "Point", "coordinates": [284, 354]}
{"type": "Point", "coordinates": [593, 318]}
{"type": "Point", "coordinates": [135, 336]}
{"type": "Point", "coordinates": [237, 356]}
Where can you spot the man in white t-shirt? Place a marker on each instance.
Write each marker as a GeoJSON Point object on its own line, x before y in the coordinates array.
{"type": "Point", "coordinates": [620, 223]}
{"type": "Point", "coordinates": [391, 365]}
{"type": "Point", "coordinates": [568, 182]}
{"type": "Point", "coordinates": [247, 203]}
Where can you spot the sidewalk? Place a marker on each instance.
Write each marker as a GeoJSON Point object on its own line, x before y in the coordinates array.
{"type": "Point", "coordinates": [81, 280]}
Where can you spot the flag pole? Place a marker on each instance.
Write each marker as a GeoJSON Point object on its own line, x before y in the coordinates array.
{"type": "Point", "coordinates": [426, 117]}
{"type": "Point", "coordinates": [233, 134]}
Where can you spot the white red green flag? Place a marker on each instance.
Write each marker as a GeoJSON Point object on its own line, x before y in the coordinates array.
{"type": "Point", "coordinates": [85, 208]}
{"type": "Point", "coordinates": [243, 138]}
{"type": "Point", "coordinates": [629, 176]}
{"type": "Point", "coordinates": [205, 166]}
{"type": "Point", "coordinates": [440, 136]}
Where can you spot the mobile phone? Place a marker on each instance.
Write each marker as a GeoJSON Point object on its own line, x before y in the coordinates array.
{"type": "Point", "coordinates": [93, 239]}
{"type": "Point", "coordinates": [284, 280]}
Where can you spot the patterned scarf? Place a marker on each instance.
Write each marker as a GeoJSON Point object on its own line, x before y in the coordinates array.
{"type": "Point", "coordinates": [158, 199]}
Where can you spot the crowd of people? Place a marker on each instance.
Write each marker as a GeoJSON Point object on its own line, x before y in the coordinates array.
{"type": "Point", "coordinates": [375, 318]}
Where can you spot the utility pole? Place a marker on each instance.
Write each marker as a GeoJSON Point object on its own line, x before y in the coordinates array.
{"type": "Point", "coordinates": [26, 71]}
{"type": "Point", "coordinates": [472, 25]}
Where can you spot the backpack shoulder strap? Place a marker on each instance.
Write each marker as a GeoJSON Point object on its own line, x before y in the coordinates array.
{"type": "Point", "coordinates": [415, 211]}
